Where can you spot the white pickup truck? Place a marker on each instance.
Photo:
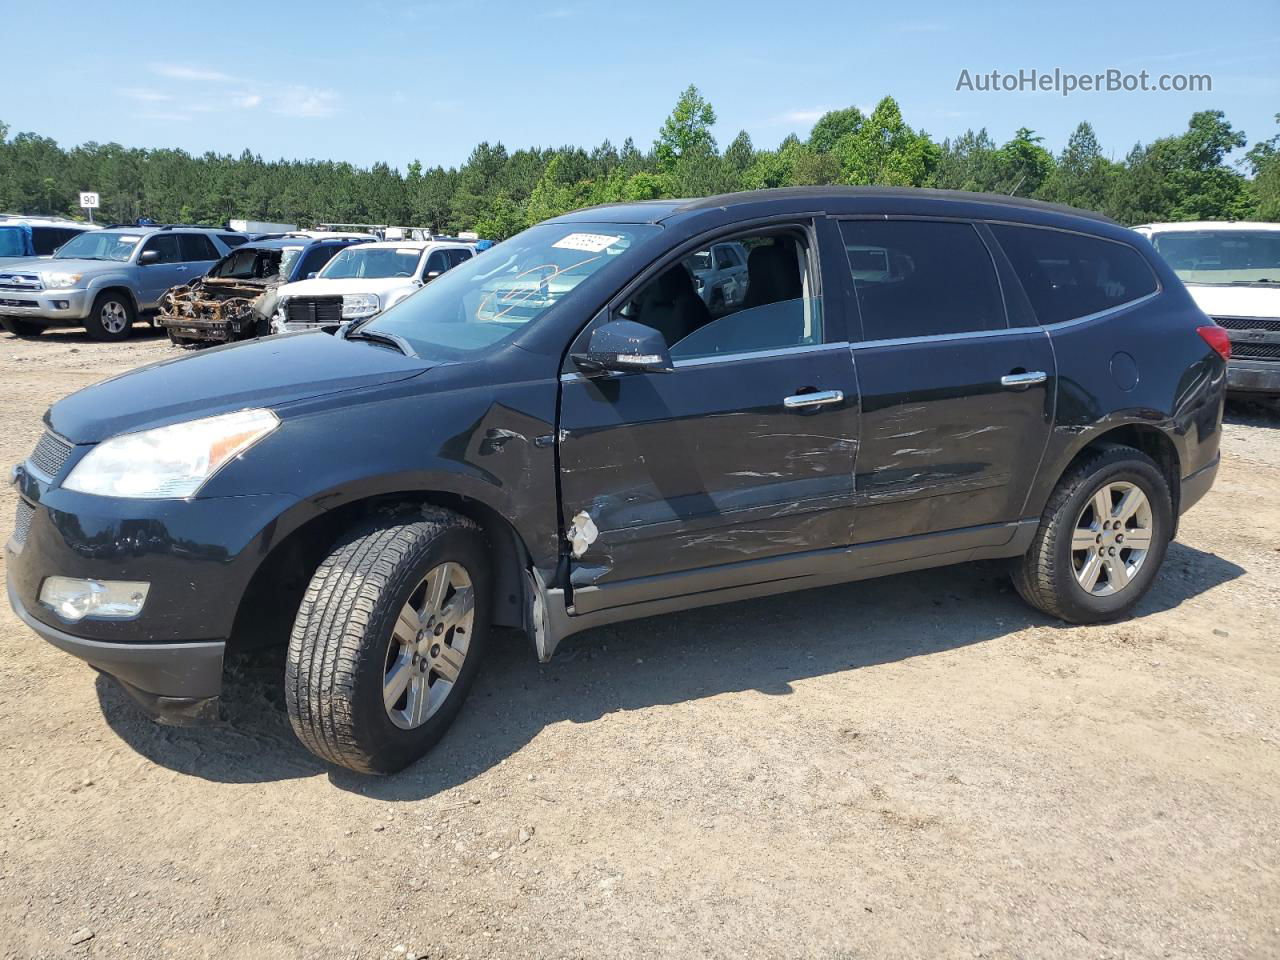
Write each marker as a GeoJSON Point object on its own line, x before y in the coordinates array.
{"type": "Point", "coordinates": [1232, 270]}
{"type": "Point", "coordinates": [364, 280]}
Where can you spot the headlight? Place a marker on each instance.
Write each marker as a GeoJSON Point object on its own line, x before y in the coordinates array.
{"type": "Point", "coordinates": [357, 305]}
{"type": "Point", "coordinates": [59, 281]}
{"type": "Point", "coordinates": [169, 462]}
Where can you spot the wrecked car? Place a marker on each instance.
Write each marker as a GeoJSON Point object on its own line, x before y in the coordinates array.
{"type": "Point", "coordinates": [236, 299]}
{"type": "Point", "coordinates": [559, 434]}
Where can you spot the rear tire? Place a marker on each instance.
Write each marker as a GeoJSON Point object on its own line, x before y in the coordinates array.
{"type": "Point", "coordinates": [21, 328]}
{"type": "Point", "coordinates": [1092, 559]}
{"type": "Point", "coordinates": [111, 318]}
{"type": "Point", "coordinates": [374, 615]}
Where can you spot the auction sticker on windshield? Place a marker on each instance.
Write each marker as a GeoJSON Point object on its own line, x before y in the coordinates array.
{"type": "Point", "coordinates": [588, 242]}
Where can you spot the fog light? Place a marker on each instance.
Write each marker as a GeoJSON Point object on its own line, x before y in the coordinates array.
{"type": "Point", "coordinates": [61, 304]}
{"type": "Point", "coordinates": [74, 599]}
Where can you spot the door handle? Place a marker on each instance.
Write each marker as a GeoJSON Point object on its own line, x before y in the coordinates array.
{"type": "Point", "coordinates": [1020, 381]}
{"type": "Point", "coordinates": [820, 399]}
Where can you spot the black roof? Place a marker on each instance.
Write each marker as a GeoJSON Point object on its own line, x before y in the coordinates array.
{"type": "Point", "coordinates": [656, 211]}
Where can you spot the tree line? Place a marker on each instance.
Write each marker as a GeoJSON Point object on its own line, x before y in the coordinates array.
{"type": "Point", "coordinates": [496, 192]}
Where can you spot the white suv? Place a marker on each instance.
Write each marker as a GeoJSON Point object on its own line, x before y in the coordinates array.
{"type": "Point", "coordinates": [364, 280]}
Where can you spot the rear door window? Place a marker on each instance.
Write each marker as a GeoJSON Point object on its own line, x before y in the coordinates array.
{"type": "Point", "coordinates": [1070, 275]}
{"type": "Point", "coordinates": [197, 247]}
{"type": "Point", "coordinates": [458, 256]}
{"type": "Point", "coordinates": [232, 240]}
{"type": "Point", "coordinates": [922, 278]}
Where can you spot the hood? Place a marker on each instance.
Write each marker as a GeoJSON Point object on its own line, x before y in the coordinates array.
{"type": "Point", "coordinates": [24, 264]}
{"type": "Point", "coordinates": [259, 373]}
{"type": "Point", "coordinates": [319, 287]}
{"type": "Point", "coordinates": [54, 265]}
{"type": "Point", "coordinates": [1262, 300]}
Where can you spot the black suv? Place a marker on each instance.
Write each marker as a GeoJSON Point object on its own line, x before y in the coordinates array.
{"type": "Point", "coordinates": [560, 433]}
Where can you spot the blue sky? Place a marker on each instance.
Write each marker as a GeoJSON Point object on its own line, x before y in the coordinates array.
{"type": "Point", "coordinates": [398, 79]}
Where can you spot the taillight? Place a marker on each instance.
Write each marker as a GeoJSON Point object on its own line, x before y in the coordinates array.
{"type": "Point", "coordinates": [1217, 338]}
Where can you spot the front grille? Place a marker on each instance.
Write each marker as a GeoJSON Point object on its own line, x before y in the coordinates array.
{"type": "Point", "coordinates": [22, 522]}
{"type": "Point", "coordinates": [1248, 323]}
{"type": "Point", "coordinates": [25, 282]}
{"type": "Point", "coordinates": [1255, 351]}
{"type": "Point", "coordinates": [322, 310]}
{"type": "Point", "coordinates": [50, 454]}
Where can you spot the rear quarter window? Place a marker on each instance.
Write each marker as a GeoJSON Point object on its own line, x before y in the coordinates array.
{"type": "Point", "coordinates": [1071, 275]}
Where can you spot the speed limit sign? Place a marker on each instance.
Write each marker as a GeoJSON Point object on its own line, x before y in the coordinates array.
{"type": "Point", "coordinates": [89, 201]}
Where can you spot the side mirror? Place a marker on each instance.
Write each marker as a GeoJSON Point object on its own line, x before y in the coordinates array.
{"type": "Point", "coordinates": [624, 345]}
{"type": "Point", "coordinates": [147, 257]}
{"type": "Point", "coordinates": [431, 276]}
{"type": "Point", "coordinates": [312, 274]}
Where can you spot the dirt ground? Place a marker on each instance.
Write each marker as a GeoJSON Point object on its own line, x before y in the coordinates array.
{"type": "Point", "coordinates": [918, 766]}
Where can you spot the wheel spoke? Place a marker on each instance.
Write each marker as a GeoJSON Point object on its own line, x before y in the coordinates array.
{"type": "Point", "coordinates": [1102, 505]}
{"type": "Point", "coordinates": [448, 662]}
{"type": "Point", "coordinates": [397, 680]}
{"type": "Point", "coordinates": [1139, 538]}
{"type": "Point", "coordinates": [407, 625]}
{"type": "Point", "coordinates": [1088, 575]}
{"type": "Point", "coordinates": [1083, 539]}
{"type": "Point", "coordinates": [1130, 503]}
{"type": "Point", "coordinates": [1117, 572]}
{"type": "Point", "coordinates": [460, 607]}
{"type": "Point", "coordinates": [419, 705]}
{"type": "Point", "coordinates": [437, 586]}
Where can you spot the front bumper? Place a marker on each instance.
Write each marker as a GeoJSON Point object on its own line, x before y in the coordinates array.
{"type": "Point", "coordinates": [1253, 376]}
{"type": "Point", "coordinates": [217, 331]}
{"type": "Point", "coordinates": [175, 682]}
{"type": "Point", "coordinates": [198, 555]}
{"type": "Point", "coordinates": [45, 306]}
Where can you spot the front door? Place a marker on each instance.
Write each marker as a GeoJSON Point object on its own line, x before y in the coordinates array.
{"type": "Point", "coordinates": [957, 404]}
{"type": "Point", "coordinates": [743, 454]}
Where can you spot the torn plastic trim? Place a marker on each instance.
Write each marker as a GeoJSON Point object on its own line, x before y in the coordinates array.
{"type": "Point", "coordinates": [582, 533]}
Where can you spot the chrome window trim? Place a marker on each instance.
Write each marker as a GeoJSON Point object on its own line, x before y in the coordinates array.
{"type": "Point", "coordinates": [572, 377]}
{"type": "Point", "coordinates": [976, 334]}
{"type": "Point", "coordinates": [942, 337]}
{"type": "Point", "coordinates": [1063, 324]}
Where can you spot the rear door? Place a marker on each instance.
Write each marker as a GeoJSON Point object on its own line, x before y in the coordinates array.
{"type": "Point", "coordinates": [957, 400]}
{"type": "Point", "coordinates": [198, 255]}
{"type": "Point", "coordinates": [742, 455]}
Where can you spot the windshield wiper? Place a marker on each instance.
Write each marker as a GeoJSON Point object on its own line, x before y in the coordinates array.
{"type": "Point", "coordinates": [377, 336]}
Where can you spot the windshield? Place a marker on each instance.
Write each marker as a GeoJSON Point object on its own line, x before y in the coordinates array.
{"type": "Point", "coordinates": [13, 242]}
{"type": "Point", "coordinates": [372, 263]}
{"type": "Point", "coordinates": [494, 295]}
{"type": "Point", "coordinates": [99, 245]}
{"type": "Point", "coordinates": [1222, 256]}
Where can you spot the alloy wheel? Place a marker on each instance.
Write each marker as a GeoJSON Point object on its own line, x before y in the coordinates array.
{"type": "Point", "coordinates": [114, 316]}
{"type": "Point", "coordinates": [1111, 538]}
{"type": "Point", "coordinates": [428, 646]}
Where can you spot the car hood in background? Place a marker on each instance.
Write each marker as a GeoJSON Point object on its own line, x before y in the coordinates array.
{"type": "Point", "coordinates": [1261, 300]}
{"type": "Point", "coordinates": [319, 287]}
{"type": "Point", "coordinates": [260, 373]}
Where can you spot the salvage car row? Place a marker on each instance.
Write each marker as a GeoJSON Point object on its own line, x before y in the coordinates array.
{"type": "Point", "coordinates": [201, 283]}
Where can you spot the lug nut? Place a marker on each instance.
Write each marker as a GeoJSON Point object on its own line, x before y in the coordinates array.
{"type": "Point", "coordinates": [435, 650]}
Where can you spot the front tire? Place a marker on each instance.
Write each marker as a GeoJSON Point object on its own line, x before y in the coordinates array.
{"type": "Point", "coordinates": [1102, 538]}
{"type": "Point", "coordinates": [111, 318]}
{"type": "Point", "coordinates": [388, 640]}
{"type": "Point", "coordinates": [21, 328]}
